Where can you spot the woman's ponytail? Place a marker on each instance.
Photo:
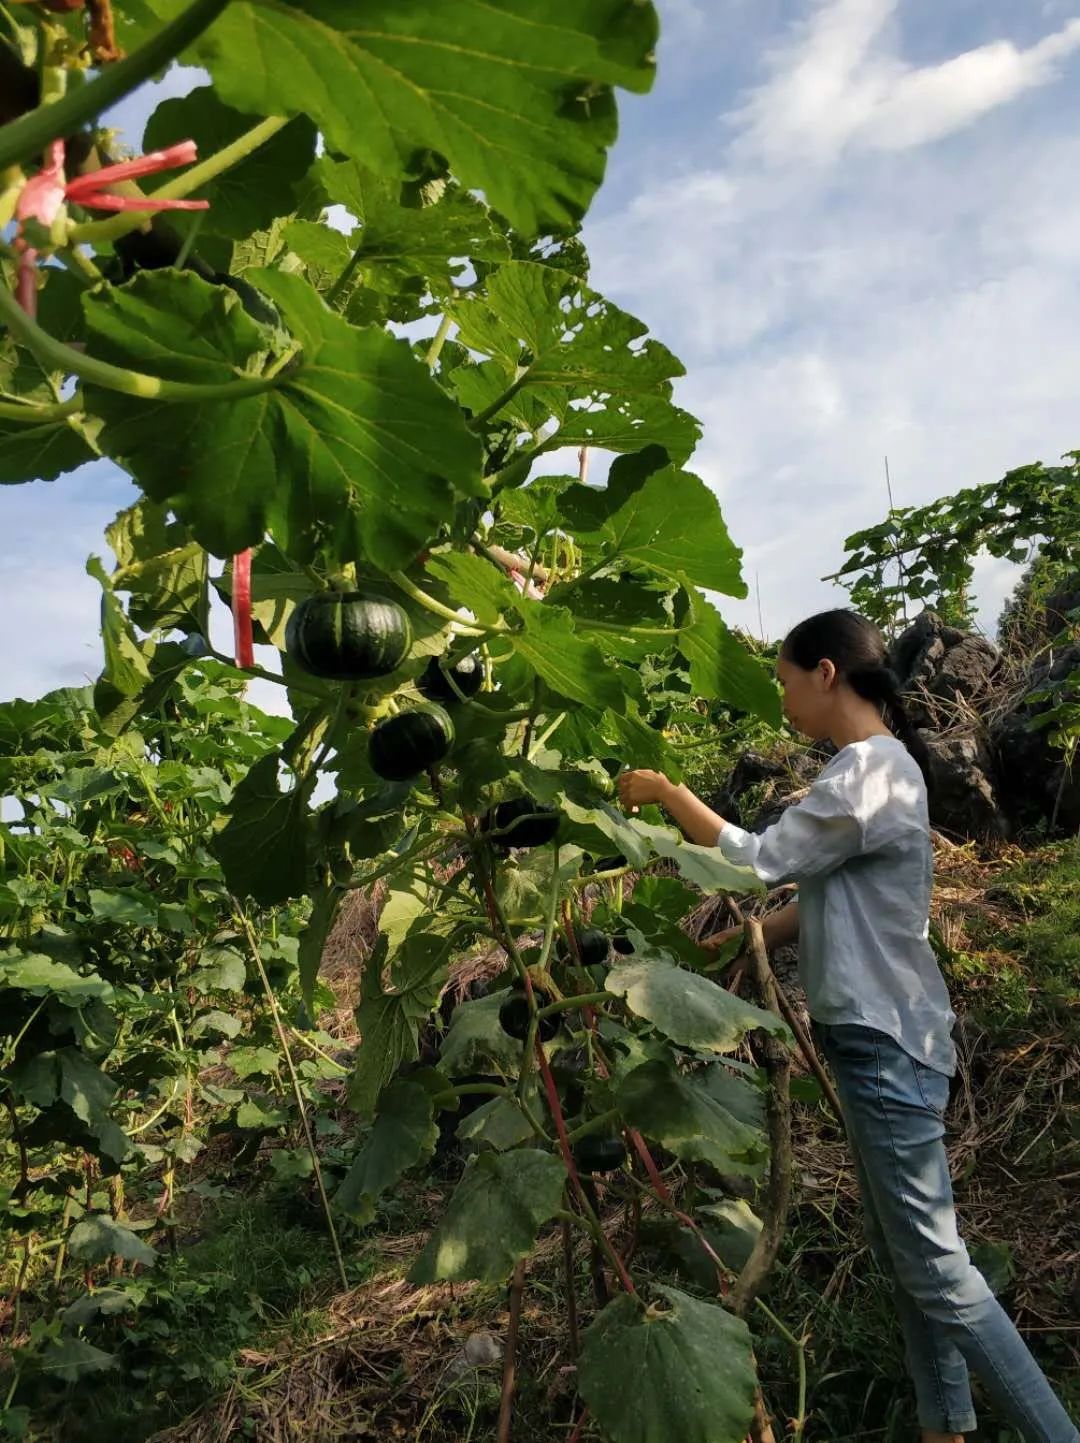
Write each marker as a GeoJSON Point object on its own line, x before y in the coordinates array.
{"type": "Point", "coordinates": [857, 649]}
{"type": "Point", "coordinates": [878, 683]}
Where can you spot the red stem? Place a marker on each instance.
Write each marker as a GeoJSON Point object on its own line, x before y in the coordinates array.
{"type": "Point", "coordinates": [241, 609]}
{"type": "Point", "coordinates": [576, 1434]}
{"type": "Point", "coordinates": [26, 282]}
{"type": "Point", "coordinates": [568, 1158]}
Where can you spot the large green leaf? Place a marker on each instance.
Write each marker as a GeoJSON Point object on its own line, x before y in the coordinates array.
{"type": "Point", "coordinates": [493, 1218]}
{"type": "Point", "coordinates": [127, 669]}
{"type": "Point", "coordinates": [324, 909]}
{"type": "Point", "coordinates": [665, 519]}
{"type": "Point", "coordinates": [129, 906]}
{"type": "Point", "coordinates": [559, 342]}
{"type": "Point", "coordinates": [403, 1135]}
{"type": "Point", "coordinates": [684, 1113]}
{"type": "Point", "coordinates": [639, 842]}
{"type": "Point", "coordinates": [263, 846]}
{"type": "Point", "coordinates": [41, 450]}
{"type": "Point", "coordinates": [721, 666]}
{"type": "Point", "coordinates": [251, 194]}
{"type": "Point", "coordinates": [44, 976]}
{"type": "Point", "coordinates": [626, 611]}
{"type": "Point", "coordinates": [474, 582]}
{"type": "Point", "coordinates": [500, 1123]}
{"type": "Point", "coordinates": [356, 443]}
{"type": "Point", "coordinates": [688, 1008]}
{"type": "Point", "coordinates": [67, 1076]}
{"type": "Point", "coordinates": [51, 721]}
{"type": "Point", "coordinates": [516, 96]}
{"type": "Point", "coordinates": [399, 252]}
{"type": "Point", "coordinates": [389, 1021]}
{"type": "Point", "coordinates": [163, 570]}
{"type": "Point", "coordinates": [98, 1237]}
{"type": "Point", "coordinates": [475, 1041]}
{"type": "Point", "coordinates": [33, 450]}
{"type": "Point", "coordinates": [70, 1359]}
{"type": "Point", "coordinates": [570, 665]}
{"type": "Point", "coordinates": [691, 1364]}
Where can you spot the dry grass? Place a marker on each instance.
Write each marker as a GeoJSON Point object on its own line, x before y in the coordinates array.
{"type": "Point", "coordinates": [392, 1360]}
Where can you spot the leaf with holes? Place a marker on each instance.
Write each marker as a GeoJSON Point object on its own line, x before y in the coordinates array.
{"type": "Point", "coordinates": [516, 96]}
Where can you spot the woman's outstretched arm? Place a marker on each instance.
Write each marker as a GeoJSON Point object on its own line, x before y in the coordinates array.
{"type": "Point", "coordinates": [699, 822]}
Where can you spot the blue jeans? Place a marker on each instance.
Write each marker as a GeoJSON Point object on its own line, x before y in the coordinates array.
{"type": "Point", "coordinates": [894, 1108]}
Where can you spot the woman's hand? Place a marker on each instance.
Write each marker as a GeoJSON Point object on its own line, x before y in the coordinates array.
{"type": "Point", "coordinates": [643, 787]}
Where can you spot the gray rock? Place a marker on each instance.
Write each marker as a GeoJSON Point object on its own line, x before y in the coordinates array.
{"type": "Point", "coordinates": [962, 792]}
{"type": "Point", "coordinates": [1034, 782]}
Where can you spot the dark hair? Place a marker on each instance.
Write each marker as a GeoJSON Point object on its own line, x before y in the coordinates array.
{"type": "Point", "coordinates": [857, 649]}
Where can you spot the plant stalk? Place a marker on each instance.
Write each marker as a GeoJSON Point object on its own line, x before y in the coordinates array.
{"type": "Point", "coordinates": [506, 1402]}
{"type": "Point", "coordinates": [95, 232]}
{"type": "Point", "coordinates": [23, 139]}
{"type": "Point", "coordinates": [271, 1001]}
{"type": "Point", "coordinates": [58, 356]}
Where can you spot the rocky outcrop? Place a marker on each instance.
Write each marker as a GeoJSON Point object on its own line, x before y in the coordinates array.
{"type": "Point", "coordinates": [1034, 780]}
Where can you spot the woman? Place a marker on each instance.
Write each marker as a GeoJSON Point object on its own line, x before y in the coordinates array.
{"type": "Point", "coordinates": [859, 847]}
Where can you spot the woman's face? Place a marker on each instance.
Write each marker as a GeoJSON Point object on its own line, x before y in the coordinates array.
{"type": "Point", "coordinates": [808, 696]}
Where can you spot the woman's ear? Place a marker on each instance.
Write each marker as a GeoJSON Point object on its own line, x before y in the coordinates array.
{"type": "Point", "coordinates": [828, 672]}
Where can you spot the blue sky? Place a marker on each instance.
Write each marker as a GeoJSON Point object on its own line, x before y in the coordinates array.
{"type": "Point", "coordinates": [857, 223]}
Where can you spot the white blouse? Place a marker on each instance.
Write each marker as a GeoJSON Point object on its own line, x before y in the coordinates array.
{"type": "Point", "coordinates": [859, 847]}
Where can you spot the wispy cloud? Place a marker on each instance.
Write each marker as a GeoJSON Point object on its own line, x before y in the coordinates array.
{"type": "Point", "coordinates": [897, 298]}
{"type": "Point", "coordinates": [838, 83]}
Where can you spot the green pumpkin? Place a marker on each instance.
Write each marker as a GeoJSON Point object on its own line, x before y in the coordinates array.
{"type": "Point", "coordinates": [405, 745]}
{"type": "Point", "coordinates": [468, 677]}
{"type": "Point", "coordinates": [592, 946]}
{"type": "Point", "coordinates": [342, 636]}
{"type": "Point", "coordinates": [514, 1015]}
{"type": "Point", "coordinates": [521, 822]}
{"type": "Point", "coordinates": [599, 1154]}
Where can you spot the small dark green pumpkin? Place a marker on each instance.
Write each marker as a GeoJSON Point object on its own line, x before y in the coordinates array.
{"type": "Point", "coordinates": [515, 1012]}
{"type": "Point", "coordinates": [521, 822]}
{"type": "Point", "coordinates": [343, 636]}
{"type": "Point", "coordinates": [405, 745]}
{"type": "Point", "coordinates": [599, 1154]}
{"type": "Point", "coordinates": [592, 946]}
{"type": "Point", "coordinates": [468, 677]}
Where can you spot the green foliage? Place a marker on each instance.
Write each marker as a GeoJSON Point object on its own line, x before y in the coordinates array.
{"type": "Point", "coordinates": [246, 369]}
{"type": "Point", "coordinates": [926, 554]}
{"type": "Point", "coordinates": [1026, 964]}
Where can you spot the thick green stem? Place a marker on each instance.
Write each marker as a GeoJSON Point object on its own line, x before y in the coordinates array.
{"type": "Point", "coordinates": [23, 139]}
{"type": "Point", "coordinates": [595, 1124]}
{"type": "Point", "coordinates": [580, 999]}
{"type": "Point", "coordinates": [548, 732]}
{"type": "Point", "coordinates": [350, 269]}
{"type": "Point", "coordinates": [420, 852]}
{"type": "Point", "coordinates": [95, 232]}
{"type": "Point", "coordinates": [31, 415]}
{"type": "Point", "coordinates": [264, 675]}
{"type": "Point", "coordinates": [402, 582]}
{"type": "Point", "coordinates": [438, 341]}
{"type": "Point", "coordinates": [499, 402]}
{"type": "Point", "coordinates": [57, 356]}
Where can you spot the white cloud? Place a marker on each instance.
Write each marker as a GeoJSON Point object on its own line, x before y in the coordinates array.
{"type": "Point", "coordinates": [839, 84]}
{"type": "Point", "coordinates": [922, 304]}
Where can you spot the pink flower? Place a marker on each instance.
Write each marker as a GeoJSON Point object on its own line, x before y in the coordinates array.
{"type": "Point", "coordinates": [44, 194]}
{"type": "Point", "coordinates": [532, 591]}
